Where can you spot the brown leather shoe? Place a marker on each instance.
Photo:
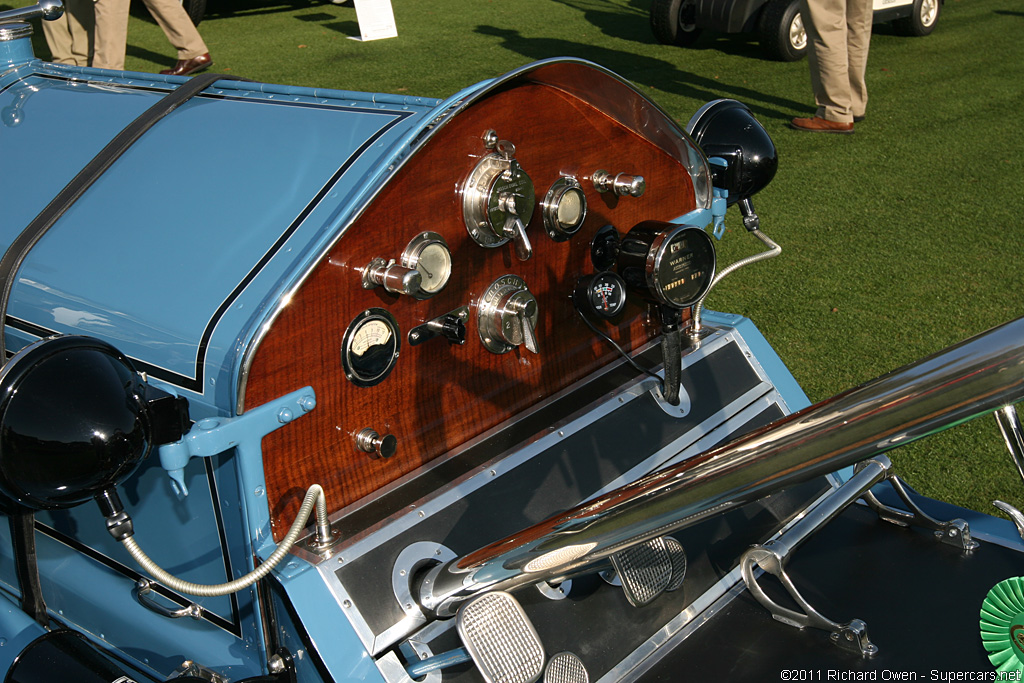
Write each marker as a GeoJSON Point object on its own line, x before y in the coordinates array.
{"type": "Point", "coordinates": [184, 67]}
{"type": "Point", "coordinates": [820, 125]}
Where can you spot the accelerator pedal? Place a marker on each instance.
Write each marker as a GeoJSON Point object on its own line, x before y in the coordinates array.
{"type": "Point", "coordinates": [500, 639]}
{"type": "Point", "coordinates": [645, 571]}
{"type": "Point", "coordinates": [1002, 625]}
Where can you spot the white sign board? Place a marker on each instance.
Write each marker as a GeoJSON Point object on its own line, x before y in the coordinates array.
{"type": "Point", "coordinates": [376, 19]}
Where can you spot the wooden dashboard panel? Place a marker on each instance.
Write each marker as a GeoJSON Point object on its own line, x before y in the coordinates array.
{"type": "Point", "coordinates": [440, 395]}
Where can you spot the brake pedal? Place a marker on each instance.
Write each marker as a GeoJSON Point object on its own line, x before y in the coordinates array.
{"type": "Point", "coordinates": [500, 639]}
{"type": "Point", "coordinates": [645, 571]}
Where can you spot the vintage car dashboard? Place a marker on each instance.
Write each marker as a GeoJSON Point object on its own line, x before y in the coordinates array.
{"type": "Point", "coordinates": [490, 330]}
{"type": "Point", "coordinates": [410, 389]}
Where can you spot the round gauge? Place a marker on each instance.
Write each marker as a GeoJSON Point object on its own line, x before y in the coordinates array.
{"type": "Point", "coordinates": [683, 270]}
{"type": "Point", "coordinates": [603, 294]}
{"type": "Point", "coordinates": [428, 253]}
{"type": "Point", "coordinates": [370, 347]}
{"type": "Point", "coordinates": [670, 264]}
{"type": "Point", "coordinates": [564, 208]}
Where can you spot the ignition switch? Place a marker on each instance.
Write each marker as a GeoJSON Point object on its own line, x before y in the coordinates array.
{"type": "Point", "coordinates": [498, 199]}
{"type": "Point", "coordinates": [508, 316]}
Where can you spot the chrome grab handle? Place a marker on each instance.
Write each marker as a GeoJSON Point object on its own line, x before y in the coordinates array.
{"type": "Point", "coordinates": [141, 591]}
{"type": "Point", "coordinates": [47, 9]}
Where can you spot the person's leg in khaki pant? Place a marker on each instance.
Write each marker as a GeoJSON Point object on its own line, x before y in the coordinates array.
{"type": "Point", "coordinates": [112, 32]}
{"type": "Point", "coordinates": [70, 36]}
{"type": "Point", "coordinates": [838, 34]}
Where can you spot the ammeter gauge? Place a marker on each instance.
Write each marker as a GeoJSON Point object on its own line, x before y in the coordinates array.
{"type": "Point", "coordinates": [603, 294]}
{"type": "Point", "coordinates": [428, 253]}
{"type": "Point", "coordinates": [370, 347]}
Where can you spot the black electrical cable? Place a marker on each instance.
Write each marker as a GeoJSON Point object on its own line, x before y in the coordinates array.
{"type": "Point", "coordinates": [593, 328]}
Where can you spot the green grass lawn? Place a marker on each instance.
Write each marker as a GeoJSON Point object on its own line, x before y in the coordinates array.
{"type": "Point", "coordinates": [897, 241]}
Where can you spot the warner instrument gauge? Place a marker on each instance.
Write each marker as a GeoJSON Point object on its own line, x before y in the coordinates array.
{"type": "Point", "coordinates": [498, 200]}
{"type": "Point", "coordinates": [370, 347]}
{"type": "Point", "coordinates": [667, 263]}
{"type": "Point", "coordinates": [429, 254]}
{"type": "Point", "coordinates": [563, 209]}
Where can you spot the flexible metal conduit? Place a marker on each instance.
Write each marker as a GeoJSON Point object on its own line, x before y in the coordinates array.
{"type": "Point", "coordinates": [312, 502]}
{"type": "Point", "coordinates": [972, 378]}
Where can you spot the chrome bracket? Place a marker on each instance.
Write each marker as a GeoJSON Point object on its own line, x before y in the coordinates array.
{"type": "Point", "coordinates": [193, 670]}
{"type": "Point", "coordinates": [851, 636]}
{"type": "Point", "coordinates": [773, 556]}
{"type": "Point", "coordinates": [1014, 514]}
{"type": "Point", "coordinates": [955, 532]}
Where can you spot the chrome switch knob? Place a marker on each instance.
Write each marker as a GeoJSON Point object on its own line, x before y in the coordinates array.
{"type": "Point", "coordinates": [622, 184]}
{"type": "Point", "coordinates": [508, 315]}
{"type": "Point", "coordinates": [369, 441]}
{"type": "Point", "coordinates": [394, 278]}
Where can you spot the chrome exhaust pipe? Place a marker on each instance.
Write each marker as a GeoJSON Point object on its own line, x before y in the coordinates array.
{"type": "Point", "coordinates": [972, 378]}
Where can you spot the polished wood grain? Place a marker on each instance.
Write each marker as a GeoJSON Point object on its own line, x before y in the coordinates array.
{"type": "Point", "coordinates": [439, 396]}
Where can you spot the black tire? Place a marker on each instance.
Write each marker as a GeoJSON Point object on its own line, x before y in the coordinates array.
{"type": "Point", "coordinates": [922, 20]}
{"type": "Point", "coordinates": [672, 22]}
{"type": "Point", "coordinates": [196, 10]}
{"type": "Point", "coordinates": [781, 29]}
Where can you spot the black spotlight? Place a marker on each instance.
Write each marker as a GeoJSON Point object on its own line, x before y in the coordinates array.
{"type": "Point", "coordinates": [727, 129]}
{"type": "Point", "coordinates": [74, 423]}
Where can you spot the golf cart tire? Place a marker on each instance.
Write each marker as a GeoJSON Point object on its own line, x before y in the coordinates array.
{"type": "Point", "coordinates": [666, 24]}
{"type": "Point", "coordinates": [196, 10]}
{"type": "Point", "coordinates": [917, 24]}
{"type": "Point", "coordinates": [777, 18]}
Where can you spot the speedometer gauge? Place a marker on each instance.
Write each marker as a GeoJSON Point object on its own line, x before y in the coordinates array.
{"type": "Point", "coordinates": [670, 264]}
{"type": "Point", "coordinates": [428, 253]}
{"type": "Point", "coordinates": [370, 347]}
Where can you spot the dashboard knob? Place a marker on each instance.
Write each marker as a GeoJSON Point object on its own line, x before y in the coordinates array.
{"type": "Point", "coordinates": [508, 314]}
{"type": "Point", "coordinates": [392, 277]}
{"type": "Point", "coordinates": [369, 441]}
{"type": "Point", "coordinates": [622, 184]}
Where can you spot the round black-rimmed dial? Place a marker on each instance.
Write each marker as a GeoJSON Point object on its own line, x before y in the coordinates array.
{"type": "Point", "coordinates": [603, 294]}
{"type": "Point", "coordinates": [666, 263]}
{"type": "Point", "coordinates": [370, 347]}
